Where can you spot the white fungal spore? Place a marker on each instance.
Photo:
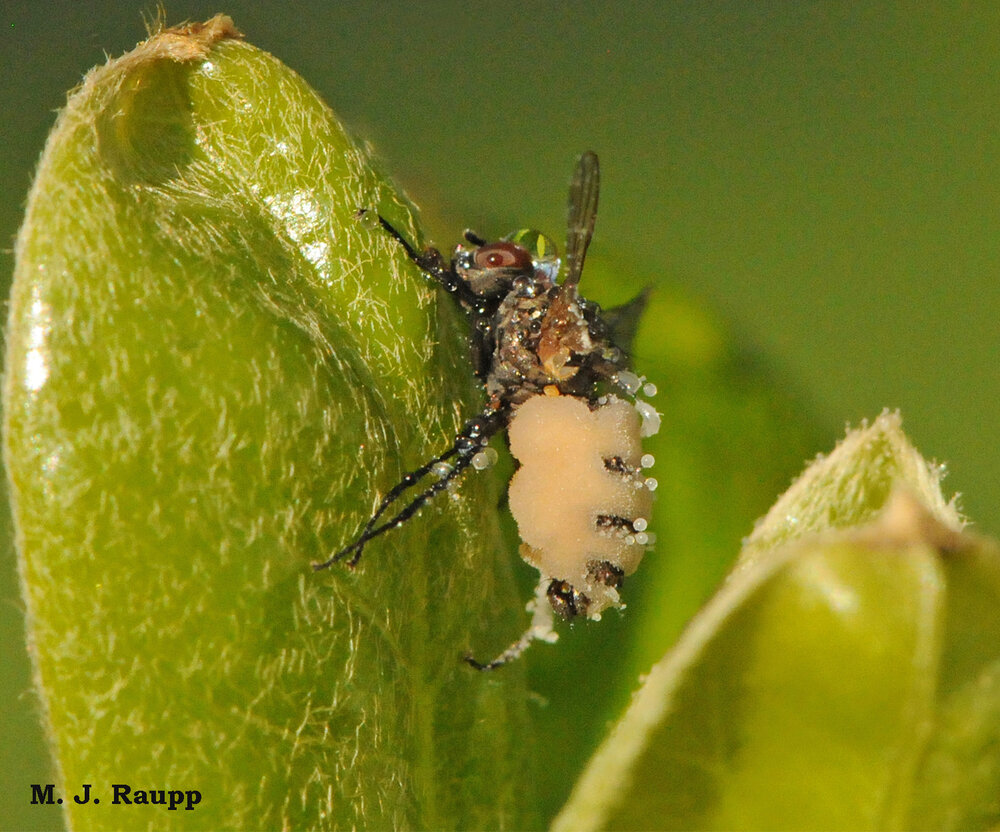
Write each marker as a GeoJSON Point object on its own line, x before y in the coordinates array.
{"type": "Point", "coordinates": [650, 418]}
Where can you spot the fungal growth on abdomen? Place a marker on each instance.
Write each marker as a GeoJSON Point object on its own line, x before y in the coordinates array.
{"type": "Point", "coordinates": [580, 498]}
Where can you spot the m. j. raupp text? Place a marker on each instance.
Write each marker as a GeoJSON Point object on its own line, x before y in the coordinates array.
{"type": "Point", "coordinates": [122, 795]}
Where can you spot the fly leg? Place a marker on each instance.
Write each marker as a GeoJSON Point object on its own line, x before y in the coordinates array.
{"type": "Point", "coordinates": [429, 261]}
{"type": "Point", "coordinates": [473, 437]}
{"type": "Point", "coordinates": [540, 629]}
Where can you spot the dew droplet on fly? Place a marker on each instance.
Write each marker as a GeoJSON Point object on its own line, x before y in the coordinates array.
{"type": "Point", "coordinates": [441, 470]}
{"type": "Point", "coordinates": [486, 458]}
{"type": "Point", "coordinates": [628, 381]}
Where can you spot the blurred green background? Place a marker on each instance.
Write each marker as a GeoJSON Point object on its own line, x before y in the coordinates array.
{"type": "Point", "coordinates": [824, 176]}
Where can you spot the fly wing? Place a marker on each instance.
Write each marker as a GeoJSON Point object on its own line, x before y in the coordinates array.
{"type": "Point", "coordinates": [583, 191]}
{"type": "Point", "coordinates": [623, 322]}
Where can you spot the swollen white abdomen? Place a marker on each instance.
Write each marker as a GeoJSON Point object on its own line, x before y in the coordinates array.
{"type": "Point", "coordinates": [579, 496]}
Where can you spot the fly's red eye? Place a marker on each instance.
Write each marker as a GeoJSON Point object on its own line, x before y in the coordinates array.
{"type": "Point", "coordinates": [499, 258]}
{"type": "Point", "coordinates": [503, 255]}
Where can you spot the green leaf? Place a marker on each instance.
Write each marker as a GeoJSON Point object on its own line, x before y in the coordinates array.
{"type": "Point", "coordinates": [212, 368]}
{"type": "Point", "coordinates": [851, 486]}
{"type": "Point", "coordinates": [845, 678]}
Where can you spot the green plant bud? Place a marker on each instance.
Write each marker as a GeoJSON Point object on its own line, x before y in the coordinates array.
{"type": "Point", "coordinates": [212, 369]}
{"type": "Point", "coordinates": [843, 678]}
